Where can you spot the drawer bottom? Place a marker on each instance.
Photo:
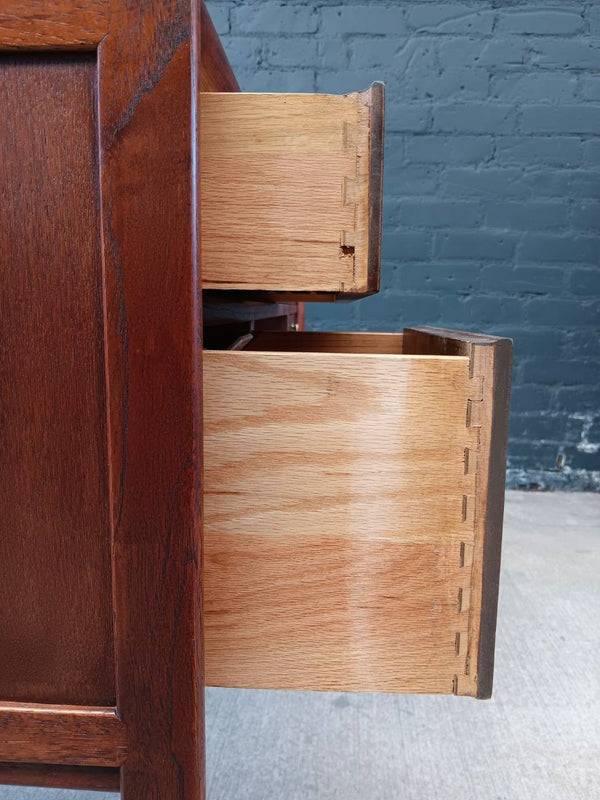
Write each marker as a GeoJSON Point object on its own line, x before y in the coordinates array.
{"type": "Point", "coordinates": [353, 511]}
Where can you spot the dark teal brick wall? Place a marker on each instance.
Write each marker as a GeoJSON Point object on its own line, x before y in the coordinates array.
{"type": "Point", "coordinates": [492, 184]}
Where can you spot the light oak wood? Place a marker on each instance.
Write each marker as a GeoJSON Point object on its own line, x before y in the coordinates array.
{"type": "Point", "coordinates": [291, 192]}
{"type": "Point", "coordinates": [52, 734]}
{"type": "Point", "coordinates": [340, 521]}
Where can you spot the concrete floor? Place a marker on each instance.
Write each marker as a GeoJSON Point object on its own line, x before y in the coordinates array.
{"type": "Point", "coordinates": [537, 739]}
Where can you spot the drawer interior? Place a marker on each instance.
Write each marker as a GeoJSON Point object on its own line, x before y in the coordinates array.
{"type": "Point", "coordinates": [343, 547]}
{"type": "Point", "coordinates": [291, 192]}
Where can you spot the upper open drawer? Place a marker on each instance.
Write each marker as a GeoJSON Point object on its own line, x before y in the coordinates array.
{"type": "Point", "coordinates": [291, 192]}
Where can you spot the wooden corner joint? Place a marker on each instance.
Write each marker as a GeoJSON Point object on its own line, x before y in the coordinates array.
{"type": "Point", "coordinates": [464, 682]}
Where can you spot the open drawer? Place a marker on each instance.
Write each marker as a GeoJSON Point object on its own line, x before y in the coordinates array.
{"type": "Point", "coordinates": [291, 192]}
{"type": "Point", "coordinates": [354, 488]}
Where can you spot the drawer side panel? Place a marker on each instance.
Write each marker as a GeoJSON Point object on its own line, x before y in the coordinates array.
{"type": "Point", "coordinates": [340, 521]}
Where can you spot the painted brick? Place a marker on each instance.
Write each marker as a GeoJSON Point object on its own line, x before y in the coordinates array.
{"type": "Point", "coordinates": [578, 458]}
{"type": "Point", "coordinates": [268, 17]}
{"type": "Point", "coordinates": [590, 87]}
{"type": "Point", "coordinates": [373, 51]}
{"type": "Point", "coordinates": [550, 371]}
{"type": "Point", "coordinates": [547, 151]}
{"type": "Point", "coordinates": [392, 312]}
{"type": "Point", "coordinates": [509, 183]}
{"type": "Point", "coordinates": [539, 427]}
{"type": "Point", "coordinates": [533, 87]}
{"type": "Point", "coordinates": [593, 433]}
{"type": "Point", "coordinates": [395, 165]}
{"type": "Point", "coordinates": [584, 398]}
{"type": "Point", "coordinates": [461, 51]}
{"type": "Point", "coordinates": [577, 53]}
{"type": "Point", "coordinates": [411, 118]}
{"type": "Point", "coordinates": [542, 22]}
{"type": "Point", "coordinates": [585, 282]}
{"type": "Point", "coordinates": [545, 247]}
{"type": "Point", "coordinates": [523, 280]}
{"type": "Point", "coordinates": [474, 118]}
{"type": "Point", "coordinates": [530, 397]}
{"type": "Point", "coordinates": [492, 182]}
{"type": "Point", "coordinates": [450, 18]}
{"type": "Point", "coordinates": [416, 180]}
{"type": "Point", "coordinates": [527, 216]}
{"type": "Point", "coordinates": [464, 83]}
{"type": "Point", "coordinates": [333, 53]}
{"type": "Point", "coordinates": [373, 18]}
{"type": "Point", "coordinates": [505, 52]}
{"type": "Point", "coordinates": [475, 244]}
{"type": "Point", "coordinates": [563, 312]}
{"type": "Point", "coordinates": [406, 246]}
{"type": "Point", "coordinates": [532, 341]}
{"type": "Point", "coordinates": [288, 52]}
{"type": "Point", "coordinates": [220, 16]}
{"type": "Point", "coordinates": [555, 183]}
{"type": "Point", "coordinates": [561, 119]}
{"type": "Point", "coordinates": [586, 216]}
{"type": "Point", "coordinates": [436, 276]}
{"type": "Point", "coordinates": [584, 183]}
{"type": "Point", "coordinates": [591, 151]}
{"type": "Point", "coordinates": [449, 149]}
{"type": "Point", "coordinates": [439, 214]}
{"type": "Point", "coordinates": [581, 344]}
{"type": "Point", "coordinates": [485, 311]}
{"type": "Point", "coordinates": [245, 52]}
{"type": "Point", "coordinates": [592, 17]}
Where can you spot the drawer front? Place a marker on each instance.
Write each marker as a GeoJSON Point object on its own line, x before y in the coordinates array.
{"type": "Point", "coordinates": [346, 512]}
{"type": "Point", "coordinates": [291, 192]}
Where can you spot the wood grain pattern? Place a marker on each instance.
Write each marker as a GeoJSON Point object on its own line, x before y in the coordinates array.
{"type": "Point", "coordinates": [289, 192]}
{"type": "Point", "coordinates": [338, 520]}
{"type": "Point", "coordinates": [328, 342]}
{"type": "Point", "coordinates": [149, 82]}
{"type": "Point", "coordinates": [56, 637]}
{"type": "Point", "coordinates": [103, 335]}
{"type": "Point", "coordinates": [152, 337]}
{"type": "Point", "coordinates": [76, 735]}
{"type": "Point", "coordinates": [50, 776]}
{"type": "Point", "coordinates": [53, 24]}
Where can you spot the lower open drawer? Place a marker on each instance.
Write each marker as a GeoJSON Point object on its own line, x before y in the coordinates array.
{"type": "Point", "coordinates": [354, 487]}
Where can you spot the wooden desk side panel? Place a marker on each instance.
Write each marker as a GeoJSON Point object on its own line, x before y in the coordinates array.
{"type": "Point", "coordinates": [338, 521]}
{"type": "Point", "coordinates": [116, 283]}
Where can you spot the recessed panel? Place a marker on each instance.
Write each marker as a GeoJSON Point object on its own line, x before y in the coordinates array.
{"type": "Point", "coordinates": [56, 642]}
